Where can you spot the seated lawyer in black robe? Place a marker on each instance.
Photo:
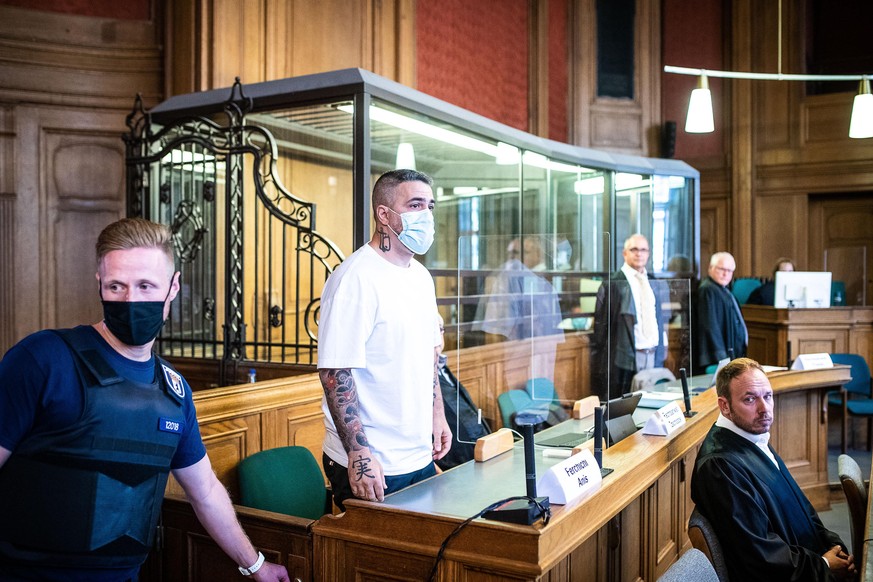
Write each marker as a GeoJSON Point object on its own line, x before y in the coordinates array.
{"type": "Point", "coordinates": [766, 526]}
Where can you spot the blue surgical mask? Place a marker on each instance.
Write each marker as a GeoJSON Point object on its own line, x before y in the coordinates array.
{"type": "Point", "coordinates": [418, 230]}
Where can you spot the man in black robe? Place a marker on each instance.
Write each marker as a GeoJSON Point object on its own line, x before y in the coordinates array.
{"type": "Point", "coordinates": [720, 331]}
{"type": "Point", "coordinates": [626, 340]}
{"type": "Point", "coordinates": [767, 528]}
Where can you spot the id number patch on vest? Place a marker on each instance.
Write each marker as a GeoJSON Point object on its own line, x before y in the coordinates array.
{"type": "Point", "coordinates": [170, 425]}
{"type": "Point", "coordinates": [174, 380]}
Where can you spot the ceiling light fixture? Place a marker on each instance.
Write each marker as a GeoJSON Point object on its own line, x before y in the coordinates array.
{"type": "Point", "coordinates": [861, 125]}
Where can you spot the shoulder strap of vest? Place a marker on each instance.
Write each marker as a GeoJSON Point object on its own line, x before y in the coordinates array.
{"type": "Point", "coordinates": [172, 380]}
{"type": "Point", "coordinates": [85, 346]}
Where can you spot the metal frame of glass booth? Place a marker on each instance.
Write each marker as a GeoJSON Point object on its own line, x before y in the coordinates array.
{"type": "Point", "coordinates": [240, 172]}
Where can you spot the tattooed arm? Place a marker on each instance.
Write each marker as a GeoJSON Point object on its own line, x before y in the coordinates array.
{"type": "Point", "coordinates": [365, 472]}
{"type": "Point", "coordinates": [442, 434]}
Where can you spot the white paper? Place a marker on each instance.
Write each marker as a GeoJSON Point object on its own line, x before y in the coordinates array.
{"type": "Point", "coordinates": [812, 362]}
{"type": "Point", "coordinates": [570, 479]}
{"type": "Point", "coordinates": [665, 421]}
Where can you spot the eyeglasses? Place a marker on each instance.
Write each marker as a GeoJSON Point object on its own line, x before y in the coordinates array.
{"type": "Point", "coordinates": [723, 270]}
{"type": "Point", "coordinates": [635, 250]}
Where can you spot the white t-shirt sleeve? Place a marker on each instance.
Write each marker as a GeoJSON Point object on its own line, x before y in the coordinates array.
{"type": "Point", "coordinates": [346, 322]}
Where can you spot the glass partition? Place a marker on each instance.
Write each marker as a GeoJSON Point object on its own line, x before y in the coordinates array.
{"type": "Point", "coordinates": [542, 336]}
{"type": "Point", "coordinates": [265, 160]}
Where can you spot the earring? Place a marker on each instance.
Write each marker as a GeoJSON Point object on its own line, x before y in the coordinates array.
{"type": "Point", "coordinates": [384, 241]}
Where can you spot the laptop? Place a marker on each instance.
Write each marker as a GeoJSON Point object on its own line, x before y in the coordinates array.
{"type": "Point", "coordinates": [618, 420]}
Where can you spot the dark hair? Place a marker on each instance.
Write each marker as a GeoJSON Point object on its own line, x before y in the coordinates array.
{"type": "Point", "coordinates": [734, 369]}
{"type": "Point", "coordinates": [133, 233]}
{"type": "Point", "coordinates": [386, 186]}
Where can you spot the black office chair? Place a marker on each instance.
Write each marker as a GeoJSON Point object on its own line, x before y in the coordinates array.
{"type": "Point", "coordinates": [691, 566]}
{"type": "Point", "coordinates": [703, 538]}
{"type": "Point", "coordinates": [856, 497]}
{"type": "Point", "coordinates": [857, 397]}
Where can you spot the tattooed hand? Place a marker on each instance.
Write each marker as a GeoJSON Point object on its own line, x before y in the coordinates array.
{"type": "Point", "coordinates": [365, 475]}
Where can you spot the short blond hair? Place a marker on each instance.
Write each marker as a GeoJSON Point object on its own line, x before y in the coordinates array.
{"type": "Point", "coordinates": [134, 233]}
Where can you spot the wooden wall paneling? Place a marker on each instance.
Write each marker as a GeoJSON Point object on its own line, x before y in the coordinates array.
{"type": "Point", "coordinates": [538, 68]}
{"type": "Point", "coordinates": [802, 442]}
{"type": "Point", "coordinates": [69, 163]}
{"type": "Point", "coordinates": [715, 216]}
{"type": "Point", "coordinates": [781, 229]}
{"type": "Point", "coordinates": [766, 344]}
{"type": "Point", "coordinates": [239, 42]}
{"type": "Point", "coordinates": [741, 122]}
{"type": "Point", "coordinates": [626, 125]}
{"type": "Point", "coordinates": [7, 229]}
{"type": "Point", "coordinates": [583, 68]}
{"type": "Point", "coordinates": [189, 554]}
{"type": "Point", "coordinates": [686, 503]}
{"type": "Point", "coordinates": [80, 61]}
{"type": "Point", "coordinates": [211, 43]}
{"type": "Point", "coordinates": [488, 371]}
{"type": "Point", "coordinates": [664, 521]}
{"type": "Point", "coordinates": [67, 84]}
{"type": "Point", "coordinates": [635, 540]}
{"type": "Point", "coordinates": [84, 184]}
{"type": "Point", "coordinates": [395, 54]}
{"type": "Point", "coordinates": [773, 102]}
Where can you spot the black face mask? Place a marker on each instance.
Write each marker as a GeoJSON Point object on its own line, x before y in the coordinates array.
{"type": "Point", "coordinates": [135, 323]}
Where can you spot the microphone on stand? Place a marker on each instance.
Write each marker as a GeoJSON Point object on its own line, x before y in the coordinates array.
{"type": "Point", "coordinates": [686, 394]}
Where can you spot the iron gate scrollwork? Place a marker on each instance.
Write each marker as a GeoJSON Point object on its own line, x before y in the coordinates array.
{"type": "Point", "coordinates": [252, 262]}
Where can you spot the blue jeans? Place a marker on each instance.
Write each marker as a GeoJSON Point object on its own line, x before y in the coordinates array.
{"type": "Point", "coordinates": [342, 489]}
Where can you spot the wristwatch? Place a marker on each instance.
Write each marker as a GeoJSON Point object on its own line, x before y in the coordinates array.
{"type": "Point", "coordinates": [254, 567]}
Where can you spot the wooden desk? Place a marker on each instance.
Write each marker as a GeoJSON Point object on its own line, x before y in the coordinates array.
{"type": "Point", "coordinates": [633, 527]}
{"type": "Point", "coordinates": [832, 330]}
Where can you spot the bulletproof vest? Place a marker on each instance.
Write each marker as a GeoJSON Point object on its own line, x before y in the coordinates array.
{"type": "Point", "coordinates": [90, 494]}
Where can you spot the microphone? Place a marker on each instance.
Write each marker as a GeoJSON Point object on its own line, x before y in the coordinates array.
{"type": "Point", "coordinates": [788, 351]}
{"type": "Point", "coordinates": [524, 511]}
{"type": "Point", "coordinates": [530, 467]}
{"type": "Point", "coordinates": [685, 394]}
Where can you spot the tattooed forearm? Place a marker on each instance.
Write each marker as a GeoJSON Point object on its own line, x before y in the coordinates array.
{"type": "Point", "coordinates": [342, 401]}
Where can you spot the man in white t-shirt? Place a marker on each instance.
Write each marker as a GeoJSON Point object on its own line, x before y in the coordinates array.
{"type": "Point", "coordinates": [377, 351]}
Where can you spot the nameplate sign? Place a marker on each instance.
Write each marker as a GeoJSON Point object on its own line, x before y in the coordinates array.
{"type": "Point", "coordinates": [812, 362]}
{"type": "Point", "coordinates": [570, 479]}
{"type": "Point", "coordinates": [666, 420]}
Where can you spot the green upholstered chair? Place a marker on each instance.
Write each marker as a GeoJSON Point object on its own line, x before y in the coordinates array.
{"type": "Point", "coordinates": [743, 287]}
{"type": "Point", "coordinates": [511, 402]}
{"type": "Point", "coordinates": [285, 480]}
{"type": "Point", "coordinates": [857, 398]}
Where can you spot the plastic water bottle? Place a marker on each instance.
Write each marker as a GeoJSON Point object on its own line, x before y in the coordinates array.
{"type": "Point", "coordinates": [253, 376]}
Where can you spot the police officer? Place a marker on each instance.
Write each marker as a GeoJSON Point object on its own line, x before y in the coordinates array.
{"type": "Point", "coordinates": [92, 423]}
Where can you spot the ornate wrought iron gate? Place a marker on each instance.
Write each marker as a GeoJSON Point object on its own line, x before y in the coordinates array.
{"type": "Point", "coordinates": [252, 262]}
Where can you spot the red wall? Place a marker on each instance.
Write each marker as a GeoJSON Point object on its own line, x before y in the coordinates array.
{"type": "Point", "coordinates": [120, 9]}
{"type": "Point", "coordinates": [558, 70]}
{"type": "Point", "coordinates": [692, 34]}
{"type": "Point", "coordinates": [475, 55]}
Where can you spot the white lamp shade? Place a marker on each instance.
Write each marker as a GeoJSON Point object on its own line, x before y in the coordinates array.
{"type": "Point", "coordinates": [862, 116]}
{"type": "Point", "coordinates": [700, 119]}
{"type": "Point", "coordinates": [405, 157]}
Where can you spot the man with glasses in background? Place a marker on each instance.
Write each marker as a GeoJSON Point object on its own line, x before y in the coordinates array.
{"type": "Point", "coordinates": [630, 323]}
{"type": "Point", "coordinates": [720, 331]}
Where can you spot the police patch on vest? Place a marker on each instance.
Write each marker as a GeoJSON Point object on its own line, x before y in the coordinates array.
{"type": "Point", "coordinates": [174, 380]}
{"type": "Point", "coordinates": [170, 425]}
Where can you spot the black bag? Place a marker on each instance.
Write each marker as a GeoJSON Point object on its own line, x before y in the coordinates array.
{"type": "Point", "coordinates": [462, 416]}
